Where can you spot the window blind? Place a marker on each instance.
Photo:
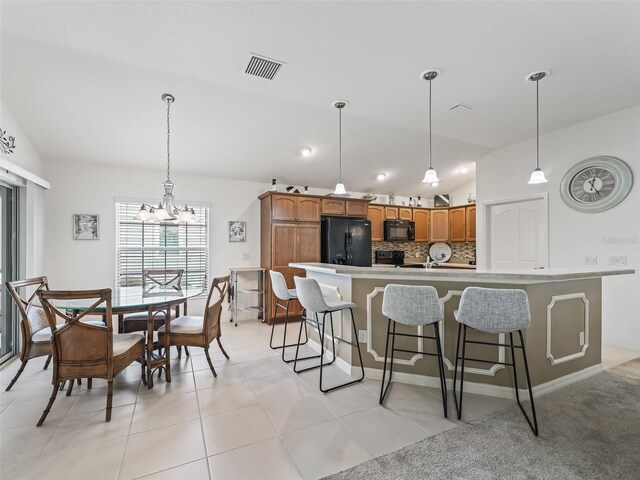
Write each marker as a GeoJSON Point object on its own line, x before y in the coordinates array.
{"type": "Point", "coordinates": [146, 245]}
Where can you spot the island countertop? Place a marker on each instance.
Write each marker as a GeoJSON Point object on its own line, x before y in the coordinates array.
{"type": "Point", "coordinates": [461, 275]}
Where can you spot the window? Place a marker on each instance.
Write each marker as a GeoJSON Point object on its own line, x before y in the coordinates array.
{"type": "Point", "coordinates": [146, 245]}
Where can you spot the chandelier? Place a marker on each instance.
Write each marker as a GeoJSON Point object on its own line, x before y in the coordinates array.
{"type": "Point", "coordinates": [166, 211]}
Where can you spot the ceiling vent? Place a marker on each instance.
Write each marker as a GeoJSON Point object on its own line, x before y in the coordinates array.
{"type": "Point", "coordinates": [460, 107]}
{"type": "Point", "coordinates": [263, 67]}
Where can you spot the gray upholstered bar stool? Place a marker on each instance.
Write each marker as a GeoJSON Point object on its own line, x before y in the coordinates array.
{"type": "Point", "coordinates": [283, 294]}
{"type": "Point", "coordinates": [493, 310]}
{"type": "Point", "coordinates": [414, 306]}
{"type": "Point", "coordinates": [312, 300]}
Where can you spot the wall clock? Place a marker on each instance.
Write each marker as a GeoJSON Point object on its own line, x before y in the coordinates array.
{"type": "Point", "coordinates": [596, 184]}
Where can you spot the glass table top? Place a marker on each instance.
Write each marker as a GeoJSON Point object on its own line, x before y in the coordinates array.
{"type": "Point", "coordinates": [133, 297]}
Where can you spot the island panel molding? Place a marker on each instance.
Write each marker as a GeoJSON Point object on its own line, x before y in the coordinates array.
{"type": "Point", "coordinates": [585, 318]}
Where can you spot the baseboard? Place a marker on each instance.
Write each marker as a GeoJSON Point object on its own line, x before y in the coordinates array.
{"type": "Point", "coordinates": [470, 387]}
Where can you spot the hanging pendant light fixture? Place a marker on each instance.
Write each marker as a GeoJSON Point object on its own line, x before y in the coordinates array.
{"type": "Point", "coordinates": [430, 176]}
{"type": "Point", "coordinates": [166, 210]}
{"type": "Point", "coordinates": [340, 104]}
{"type": "Point", "coordinates": [537, 176]}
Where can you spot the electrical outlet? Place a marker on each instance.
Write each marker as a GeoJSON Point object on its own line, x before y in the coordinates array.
{"type": "Point", "coordinates": [246, 256]}
{"type": "Point", "coordinates": [582, 339]}
{"type": "Point", "coordinates": [618, 261]}
{"type": "Point", "coordinates": [591, 260]}
{"type": "Point", "coordinates": [362, 336]}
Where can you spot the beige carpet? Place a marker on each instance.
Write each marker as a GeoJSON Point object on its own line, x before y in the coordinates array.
{"type": "Point", "coordinates": [588, 430]}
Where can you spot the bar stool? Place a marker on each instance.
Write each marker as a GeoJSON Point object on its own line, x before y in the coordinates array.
{"type": "Point", "coordinates": [312, 300]}
{"type": "Point", "coordinates": [284, 294]}
{"type": "Point", "coordinates": [493, 310]}
{"type": "Point", "coordinates": [414, 306]}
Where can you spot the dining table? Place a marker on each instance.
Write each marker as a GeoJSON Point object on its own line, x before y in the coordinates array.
{"type": "Point", "coordinates": [135, 299]}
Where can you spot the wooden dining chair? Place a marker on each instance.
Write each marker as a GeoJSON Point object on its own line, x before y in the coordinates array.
{"type": "Point", "coordinates": [195, 331]}
{"type": "Point", "coordinates": [153, 281]}
{"type": "Point", "coordinates": [80, 349]}
{"type": "Point", "coordinates": [33, 322]}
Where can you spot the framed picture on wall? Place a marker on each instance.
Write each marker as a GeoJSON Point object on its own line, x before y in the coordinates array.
{"type": "Point", "coordinates": [85, 226]}
{"type": "Point", "coordinates": [237, 231]}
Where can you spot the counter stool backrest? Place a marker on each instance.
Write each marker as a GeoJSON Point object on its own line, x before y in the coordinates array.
{"type": "Point", "coordinates": [494, 310]}
{"type": "Point", "coordinates": [279, 286]}
{"type": "Point", "coordinates": [411, 305]}
{"type": "Point", "coordinates": [310, 294]}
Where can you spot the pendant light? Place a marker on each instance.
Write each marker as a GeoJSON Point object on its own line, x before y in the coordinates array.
{"type": "Point", "coordinates": [166, 210]}
{"type": "Point", "coordinates": [430, 176]}
{"type": "Point", "coordinates": [537, 176]}
{"type": "Point", "coordinates": [340, 104]}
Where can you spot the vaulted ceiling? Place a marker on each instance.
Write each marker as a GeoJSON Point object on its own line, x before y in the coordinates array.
{"type": "Point", "coordinates": [84, 79]}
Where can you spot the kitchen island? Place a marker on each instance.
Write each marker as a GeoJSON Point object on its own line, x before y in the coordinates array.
{"type": "Point", "coordinates": [563, 341]}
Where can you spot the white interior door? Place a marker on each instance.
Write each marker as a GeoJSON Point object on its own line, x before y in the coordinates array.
{"type": "Point", "coordinates": [518, 234]}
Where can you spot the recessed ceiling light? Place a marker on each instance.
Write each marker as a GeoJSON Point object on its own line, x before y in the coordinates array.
{"type": "Point", "coordinates": [434, 184]}
{"type": "Point", "coordinates": [381, 176]}
{"type": "Point", "coordinates": [464, 170]}
{"type": "Point", "coordinates": [305, 151]}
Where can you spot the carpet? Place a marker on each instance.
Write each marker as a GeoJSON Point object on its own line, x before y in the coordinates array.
{"type": "Point", "coordinates": [588, 430]}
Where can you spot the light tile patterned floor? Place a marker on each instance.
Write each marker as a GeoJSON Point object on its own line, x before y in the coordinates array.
{"type": "Point", "coordinates": [256, 420]}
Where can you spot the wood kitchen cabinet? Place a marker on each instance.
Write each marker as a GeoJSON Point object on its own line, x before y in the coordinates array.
{"type": "Point", "coordinates": [405, 213]}
{"type": "Point", "coordinates": [356, 208]}
{"type": "Point", "coordinates": [333, 206]}
{"type": "Point", "coordinates": [458, 224]}
{"type": "Point", "coordinates": [291, 208]}
{"type": "Point", "coordinates": [376, 217]}
{"type": "Point", "coordinates": [422, 220]}
{"type": "Point", "coordinates": [391, 213]}
{"type": "Point", "coordinates": [439, 225]}
{"type": "Point", "coordinates": [471, 224]}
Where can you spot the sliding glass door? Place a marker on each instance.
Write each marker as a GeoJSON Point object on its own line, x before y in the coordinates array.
{"type": "Point", "coordinates": [8, 270]}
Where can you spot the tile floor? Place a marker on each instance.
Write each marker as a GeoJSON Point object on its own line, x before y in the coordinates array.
{"type": "Point", "coordinates": [256, 420]}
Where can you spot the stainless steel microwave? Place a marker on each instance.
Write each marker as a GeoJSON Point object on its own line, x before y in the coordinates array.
{"type": "Point", "coordinates": [399, 231]}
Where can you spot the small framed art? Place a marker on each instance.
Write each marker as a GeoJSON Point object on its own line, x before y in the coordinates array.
{"type": "Point", "coordinates": [85, 226]}
{"type": "Point", "coordinates": [237, 231]}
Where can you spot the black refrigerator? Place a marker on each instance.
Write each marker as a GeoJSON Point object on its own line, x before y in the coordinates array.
{"type": "Point", "coordinates": [346, 241]}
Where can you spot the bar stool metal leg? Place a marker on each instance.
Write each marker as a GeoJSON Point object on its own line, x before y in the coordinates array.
{"type": "Point", "coordinates": [303, 324]}
{"type": "Point", "coordinates": [534, 424]}
{"type": "Point", "coordinates": [443, 381]}
{"type": "Point", "coordinates": [383, 389]}
{"type": "Point", "coordinates": [286, 322]}
{"type": "Point", "coordinates": [455, 373]}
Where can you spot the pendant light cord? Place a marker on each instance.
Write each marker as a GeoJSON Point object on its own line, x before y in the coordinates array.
{"type": "Point", "coordinates": [168, 142]}
{"type": "Point", "coordinates": [537, 124]}
{"type": "Point", "coordinates": [430, 124]}
{"type": "Point", "coordinates": [340, 141]}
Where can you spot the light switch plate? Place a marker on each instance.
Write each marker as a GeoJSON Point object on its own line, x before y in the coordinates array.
{"type": "Point", "coordinates": [246, 256]}
{"type": "Point", "coordinates": [362, 336]}
{"type": "Point", "coordinates": [591, 260]}
{"type": "Point", "coordinates": [618, 261]}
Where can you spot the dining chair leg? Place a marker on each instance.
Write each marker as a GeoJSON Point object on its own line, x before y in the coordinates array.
{"type": "Point", "coordinates": [89, 383]}
{"type": "Point", "coordinates": [46, 364]}
{"type": "Point", "coordinates": [222, 348]}
{"type": "Point", "coordinates": [70, 387]}
{"type": "Point", "coordinates": [109, 400]}
{"type": "Point", "coordinates": [54, 393]}
{"type": "Point", "coordinates": [18, 373]}
{"type": "Point", "coordinates": [206, 352]}
{"type": "Point", "coordinates": [62, 385]}
{"type": "Point", "coordinates": [143, 375]}
{"type": "Point", "coordinates": [186, 350]}
{"type": "Point", "coordinates": [179, 352]}
{"type": "Point", "coordinates": [79, 380]}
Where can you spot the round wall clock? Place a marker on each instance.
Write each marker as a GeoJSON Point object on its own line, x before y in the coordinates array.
{"type": "Point", "coordinates": [596, 184]}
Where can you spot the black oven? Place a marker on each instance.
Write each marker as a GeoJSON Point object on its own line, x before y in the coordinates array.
{"type": "Point", "coordinates": [399, 231]}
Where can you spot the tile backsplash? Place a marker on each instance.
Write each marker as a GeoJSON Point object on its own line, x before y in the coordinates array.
{"type": "Point", "coordinates": [463, 250]}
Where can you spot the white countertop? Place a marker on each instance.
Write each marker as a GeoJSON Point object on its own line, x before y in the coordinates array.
{"type": "Point", "coordinates": [462, 275]}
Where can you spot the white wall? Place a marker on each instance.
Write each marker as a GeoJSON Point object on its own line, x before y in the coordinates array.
{"type": "Point", "coordinates": [460, 196]}
{"type": "Point", "coordinates": [572, 235]}
{"type": "Point", "coordinates": [25, 154]}
{"type": "Point", "coordinates": [82, 188]}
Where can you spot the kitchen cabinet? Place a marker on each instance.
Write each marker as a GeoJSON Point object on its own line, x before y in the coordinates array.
{"type": "Point", "coordinates": [332, 206]}
{"type": "Point", "coordinates": [421, 218]}
{"type": "Point", "coordinates": [391, 213]}
{"type": "Point", "coordinates": [439, 225]}
{"type": "Point", "coordinates": [292, 208]}
{"type": "Point", "coordinates": [458, 224]}
{"type": "Point", "coordinates": [376, 217]}
{"type": "Point", "coordinates": [471, 224]}
{"type": "Point", "coordinates": [405, 213]}
{"type": "Point", "coordinates": [356, 208]}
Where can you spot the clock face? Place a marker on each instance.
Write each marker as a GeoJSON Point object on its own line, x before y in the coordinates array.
{"type": "Point", "coordinates": [596, 184]}
{"type": "Point", "coordinates": [592, 184]}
